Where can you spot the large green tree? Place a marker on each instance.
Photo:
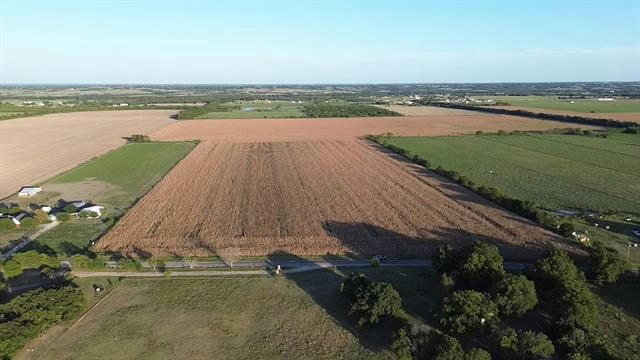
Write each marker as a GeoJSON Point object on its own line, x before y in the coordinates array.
{"type": "Point", "coordinates": [468, 310]}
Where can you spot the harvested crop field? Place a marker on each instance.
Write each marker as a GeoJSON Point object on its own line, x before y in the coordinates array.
{"type": "Point", "coordinates": [266, 130]}
{"type": "Point", "coordinates": [311, 198]}
{"type": "Point", "coordinates": [620, 116]}
{"type": "Point", "coordinates": [35, 149]}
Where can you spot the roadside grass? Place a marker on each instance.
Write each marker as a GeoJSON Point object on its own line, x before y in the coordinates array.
{"type": "Point", "coordinates": [274, 318]}
{"type": "Point", "coordinates": [132, 169]}
{"type": "Point", "coordinates": [578, 105]}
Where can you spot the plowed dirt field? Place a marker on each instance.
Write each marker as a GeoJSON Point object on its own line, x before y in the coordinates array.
{"type": "Point", "coordinates": [311, 198]}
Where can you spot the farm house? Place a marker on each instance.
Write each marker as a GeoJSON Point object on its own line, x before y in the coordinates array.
{"type": "Point", "coordinates": [28, 191]}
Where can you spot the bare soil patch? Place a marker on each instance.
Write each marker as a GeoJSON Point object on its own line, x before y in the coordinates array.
{"type": "Point", "coordinates": [37, 148]}
{"type": "Point", "coordinates": [312, 198]}
{"type": "Point", "coordinates": [270, 130]}
{"type": "Point", "coordinates": [633, 116]}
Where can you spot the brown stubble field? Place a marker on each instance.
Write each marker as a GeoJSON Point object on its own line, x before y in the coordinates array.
{"type": "Point", "coordinates": [37, 148]}
{"type": "Point", "coordinates": [312, 198]}
{"type": "Point", "coordinates": [267, 130]}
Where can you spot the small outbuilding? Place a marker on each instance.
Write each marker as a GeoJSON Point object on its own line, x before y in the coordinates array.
{"type": "Point", "coordinates": [28, 191]}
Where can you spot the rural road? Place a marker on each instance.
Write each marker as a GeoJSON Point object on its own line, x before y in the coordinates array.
{"type": "Point", "coordinates": [266, 267]}
{"type": "Point", "coordinates": [29, 239]}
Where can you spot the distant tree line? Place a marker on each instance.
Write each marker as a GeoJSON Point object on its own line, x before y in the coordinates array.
{"type": "Point", "coordinates": [194, 112]}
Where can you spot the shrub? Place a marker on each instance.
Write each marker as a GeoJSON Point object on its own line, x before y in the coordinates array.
{"type": "Point", "coordinates": [468, 310]}
{"type": "Point", "coordinates": [606, 266]}
{"type": "Point", "coordinates": [70, 209]}
{"type": "Point", "coordinates": [443, 259]}
{"type": "Point", "coordinates": [28, 260]}
{"type": "Point", "coordinates": [567, 228]}
{"type": "Point", "coordinates": [376, 301]}
{"type": "Point", "coordinates": [63, 216]}
{"type": "Point", "coordinates": [515, 295]}
{"type": "Point", "coordinates": [447, 283]}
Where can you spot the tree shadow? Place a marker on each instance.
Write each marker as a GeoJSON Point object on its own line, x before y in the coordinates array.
{"type": "Point", "coordinates": [323, 286]}
{"type": "Point", "coordinates": [625, 296]}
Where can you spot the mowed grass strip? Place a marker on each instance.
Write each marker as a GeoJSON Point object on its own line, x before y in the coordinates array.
{"type": "Point", "coordinates": [556, 171]}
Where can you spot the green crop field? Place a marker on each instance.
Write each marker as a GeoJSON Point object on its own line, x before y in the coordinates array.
{"type": "Point", "coordinates": [555, 171]}
{"type": "Point", "coordinates": [577, 105]}
{"type": "Point", "coordinates": [114, 180]}
{"type": "Point", "coordinates": [257, 110]}
{"type": "Point", "coordinates": [558, 172]}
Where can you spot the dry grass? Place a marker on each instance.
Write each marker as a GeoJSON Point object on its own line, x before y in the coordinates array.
{"type": "Point", "coordinates": [269, 130]}
{"type": "Point", "coordinates": [311, 198]}
{"type": "Point", "coordinates": [37, 148]}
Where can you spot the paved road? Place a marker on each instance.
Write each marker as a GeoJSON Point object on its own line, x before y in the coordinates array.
{"type": "Point", "coordinates": [29, 239]}
{"type": "Point", "coordinates": [264, 267]}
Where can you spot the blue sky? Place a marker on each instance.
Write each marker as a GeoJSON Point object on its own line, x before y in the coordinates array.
{"type": "Point", "coordinates": [230, 42]}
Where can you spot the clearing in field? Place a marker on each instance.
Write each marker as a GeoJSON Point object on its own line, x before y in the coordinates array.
{"type": "Point", "coordinates": [256, 110]}
{"type": "Point", "coordinates": [35, 149]}
{"type": "Point", "coordinates": [348, 128]}
{"type": "Point", "coordinates": [311, 198]}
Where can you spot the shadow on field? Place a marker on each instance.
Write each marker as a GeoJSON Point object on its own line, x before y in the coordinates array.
{"type": "Point", "coordinates": [367, 240]}
{"type": "Point", "coordinates": [323, 286]}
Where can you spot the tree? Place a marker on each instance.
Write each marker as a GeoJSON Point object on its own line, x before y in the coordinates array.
{"type": "Point", "coordinates": [377, 300]}
{"type": "Point", "coordinates": [606, 266]}
{"type": "Point", "coordinates": [527, 345]}
{"type": "Point", "coordinates": [535, 346]}
{"type": "Point", "coordinates": [515, 295]}
{"type": "Point", "coordinates": [555, 270]}
{"type": "Point", "coordinates": [63, 216]}
{"type": "Point", "coordinates": [431, 344]}
{"type": "Point", "coordinates": [468, 310]}
{"type": "Point", "coordinates": [477, 354]}
{"type": "Point", "coordinates": [41, 216]}
{"type": "Point", "coordinates": [70, 209]}
{"type": "Point", "coordinates": [480, 266]}
{"type": "Point", "coordinates": [354, 284]}
{"type": "Point", "coordinates": [402, 346]}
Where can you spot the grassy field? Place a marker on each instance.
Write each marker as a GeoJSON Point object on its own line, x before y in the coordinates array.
{"type": "Point", "coordinates": [577, 105]}
{"type": "Point", "coordinates": [271, 318]}
{"type": "Point", "coordinates": [258, 109]}
{"type": "Point", "coordinates": [121, 176]}
{"type": "Point", "coordinates": [558, 172]}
